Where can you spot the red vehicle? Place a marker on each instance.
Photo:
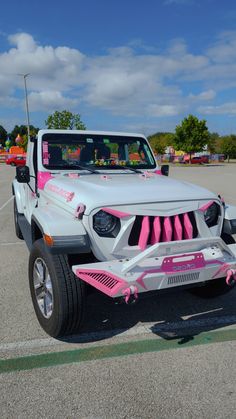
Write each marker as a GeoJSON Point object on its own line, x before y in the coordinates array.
{"type": "Point", "coordinates": [198, 160]}
{"type": "Point", "coordinates": [16, 161]}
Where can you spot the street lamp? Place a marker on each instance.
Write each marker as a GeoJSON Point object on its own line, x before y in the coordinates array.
{"type": "Point", "coordinates": [26, 102]}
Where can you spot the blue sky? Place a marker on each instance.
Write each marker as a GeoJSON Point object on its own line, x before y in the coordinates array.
{"type": "Point", "coordinates": [126, 65]}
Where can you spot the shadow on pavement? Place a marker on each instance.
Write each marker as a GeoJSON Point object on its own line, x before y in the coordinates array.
{"type": "Point", "coordinates": [178, 315]}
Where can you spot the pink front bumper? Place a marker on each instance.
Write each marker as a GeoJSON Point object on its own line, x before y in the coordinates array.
{"type": "Point", "coordinates": [123, 278]}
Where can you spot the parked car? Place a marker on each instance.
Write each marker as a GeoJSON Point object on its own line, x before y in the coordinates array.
{"type": "Point", "coordinates": [198, 160]}
{"type": "Point", "coordinates": [16, 161]}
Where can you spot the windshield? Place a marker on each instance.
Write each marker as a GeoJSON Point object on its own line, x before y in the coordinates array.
{"type": "Point", "coordinates": [79, 151]}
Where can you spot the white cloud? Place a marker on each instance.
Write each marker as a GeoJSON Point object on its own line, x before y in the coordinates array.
{"type": "Point", "coordinates": [164, 110]}
{"type": "Point", "coordinates": [50, 100]}
{"type": "Point", "coordinates": [224, 49]}
{"type": "Point", "coordinates": [203, 96]}
{"type": "Point", "coordinates": [23, 41]}
{"type": "Point", "coordinates": [228, 108]}
{"type": "Point", "coordinates": [123, 82]}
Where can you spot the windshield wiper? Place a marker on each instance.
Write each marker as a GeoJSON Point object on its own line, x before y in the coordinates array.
{"type": "Point", "coordinates": [76, 166]}
{"type": "Point", "coordinates": [117, 166]}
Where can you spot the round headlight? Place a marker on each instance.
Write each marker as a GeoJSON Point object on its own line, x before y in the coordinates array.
{"type": "Point", "coordinates": [104, 223]}
{"type": "Point", "coordinates": [211, 215]}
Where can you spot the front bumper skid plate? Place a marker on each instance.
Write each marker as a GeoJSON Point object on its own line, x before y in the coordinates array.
{"type": "Point", "coordinates": [161, 266]}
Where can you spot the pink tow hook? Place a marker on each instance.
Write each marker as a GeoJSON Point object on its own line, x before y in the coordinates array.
{"type": "Point", "coordinates": [231, 277]}
{"type": "Point", "coordinates": [130, 294]}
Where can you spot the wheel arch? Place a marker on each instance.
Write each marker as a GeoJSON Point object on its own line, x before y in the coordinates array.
{"type": "Point", "coordinates": [18, 193]}
{"type": "Point", "coordinates": [36, 230]}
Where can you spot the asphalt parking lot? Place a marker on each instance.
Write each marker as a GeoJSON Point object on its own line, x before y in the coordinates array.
{"type": "Point", "coordinates": [171, 356]}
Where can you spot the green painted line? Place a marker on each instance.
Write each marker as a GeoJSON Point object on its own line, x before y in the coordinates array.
{"type": "Point", "coordinates": [115, 350]}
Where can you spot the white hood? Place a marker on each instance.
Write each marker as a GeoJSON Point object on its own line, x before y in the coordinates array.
{"type": "Point", "coordinates": [97, 191]}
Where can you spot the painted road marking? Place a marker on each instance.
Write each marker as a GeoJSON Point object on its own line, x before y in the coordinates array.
{"type": "Point", "coordinates": [10, 244]}
{"type": "Point", "coordinates": [6, 203]}
{"type": "Point", "coordinates": [110, 351]}
{"type": "Point", "coordinates": [211, 322]}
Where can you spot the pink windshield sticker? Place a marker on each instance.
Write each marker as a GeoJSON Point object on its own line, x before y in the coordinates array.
{"type": "Point", "coordinates": [45, 153]}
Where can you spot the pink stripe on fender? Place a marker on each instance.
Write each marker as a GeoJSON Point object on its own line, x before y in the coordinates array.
{"type": "Point", "coordinates": [145, 229]}
{"type": "Point", "coordinates": [177, 228]}
{"type": "Point", "coordinates": [118, 214]}
{"type": "Point", "coordinates": [156, 231]}
{"type": "Point", "coordinates": [188, 228]}
{"type": "Point", "coordinates": [206, 206]}
{"type": "Point", "coordinates": [43, 178]}
{"type": "Point", "coordinates": [167, 230]}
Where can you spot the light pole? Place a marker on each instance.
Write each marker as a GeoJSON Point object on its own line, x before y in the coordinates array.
{"type": "Point", "coordinates": [26, 102]}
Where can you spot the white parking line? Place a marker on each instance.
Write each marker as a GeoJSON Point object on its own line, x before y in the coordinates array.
{"type": "Point", "coordinates": [6, 203]}
{"type": "Point", "coordinates": [12, 243]}
{"type": "Point", "coordinates": [210, 323]}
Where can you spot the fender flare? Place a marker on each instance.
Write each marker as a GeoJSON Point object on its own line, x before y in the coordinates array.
{"type": "Point", "coordinates": [17, 192]}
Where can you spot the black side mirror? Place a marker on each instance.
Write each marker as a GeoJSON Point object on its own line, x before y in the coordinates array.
{"type": "Point", "coordinates": [22, 174]}
{"type": "Point", "coordinates": [165, 170]}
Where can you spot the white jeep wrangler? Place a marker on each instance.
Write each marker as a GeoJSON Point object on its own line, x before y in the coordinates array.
{"type": "Point", "coordinates": [94, 208]}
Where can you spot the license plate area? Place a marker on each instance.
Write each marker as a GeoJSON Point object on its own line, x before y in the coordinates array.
{"type": "Point", "coordinates": [183, 263]}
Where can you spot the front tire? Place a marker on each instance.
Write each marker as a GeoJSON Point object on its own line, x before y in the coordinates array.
{"type": "Point", "coordinates": [58, 296]}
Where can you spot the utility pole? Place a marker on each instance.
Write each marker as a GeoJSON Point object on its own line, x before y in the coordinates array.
{"type": "Point", "coordinates": [26, 102]}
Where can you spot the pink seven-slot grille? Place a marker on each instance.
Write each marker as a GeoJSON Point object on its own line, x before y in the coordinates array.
{"type": "Point", "coordinates": [150, 230]}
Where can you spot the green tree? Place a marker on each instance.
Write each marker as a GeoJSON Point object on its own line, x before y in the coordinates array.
{"type": "Point", "coordinates": [160, 141]}
{"type": "Point", "coordinates": [22, 130]}
{"type": "Point", "coordinates": [213, 142]}
{"type": "Point", "coordinates": [64, 120]}
{"type": "Point", "coordinates": [228, 146]}
{"type": "Point", "coordinates": [191, 136]}
{"type": "Point", "coordinates": [3, 135]}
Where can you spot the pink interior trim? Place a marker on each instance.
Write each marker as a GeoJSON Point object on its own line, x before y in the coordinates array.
{"type": "Point", "coordinates": [188, 229]}
{"type": "Point", "coordinates": [145, 229]}
{"type": "Point", "coordinates": [118, 214]}
{"type": "Point", "coordinates": [43, 178]}
{"type": "Point", "coordinates": [167, 232]}
{"type": "Point", "coordinates": [104, 281]}
{"type": "Point", "coordinates": [156, 231]}
{"type": "Point", "coordinates": [177, 228]}
{"type": "Point", "coordinates": [206, 206]}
